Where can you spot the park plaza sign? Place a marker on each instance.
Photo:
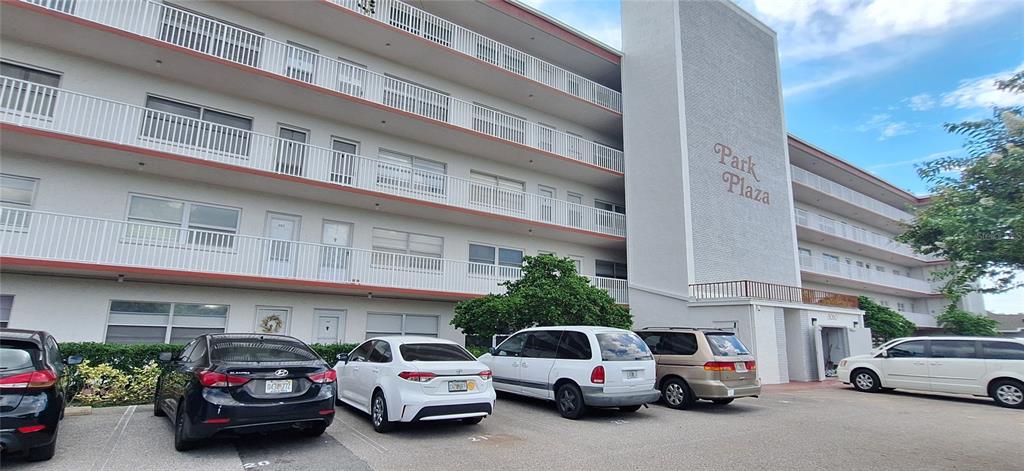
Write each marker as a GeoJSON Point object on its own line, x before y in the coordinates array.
{"type": "Point", "coordinates": [741, 177]}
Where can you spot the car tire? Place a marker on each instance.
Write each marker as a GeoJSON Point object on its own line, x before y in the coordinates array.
{"type": "Point", "coordinates": [472, 420]}
{"type": "Point", "coordinates": [865, 380]}
{"type": "Point", "coordinates": [569, 399]}
{"type": "Point", "coordinates": [315, 430]}
{"type": "Point", "coordinates": [1008, 393]}
{"type": "Point", "coordinates": [379, 414]}
{"type": "Point", "coordinates": [182, 442]}
{"type": "Point", "coordinates": [723, 401]}
{"type": "Point", "coordinates": [677, 394]}
{"type": "Point", "coordinates": [42, 453]}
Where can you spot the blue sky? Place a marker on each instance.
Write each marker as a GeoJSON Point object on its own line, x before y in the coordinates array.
{"type": "Point", "coordinates": [872, 81]}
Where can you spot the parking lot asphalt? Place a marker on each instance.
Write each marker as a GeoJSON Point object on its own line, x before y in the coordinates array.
{"type": "Point", "coordinates": [790, 427]}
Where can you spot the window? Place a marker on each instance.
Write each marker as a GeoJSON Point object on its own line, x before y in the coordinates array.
{"type": "Point", "coordinates": [578, 261]}
{"type": "Point", "coordinates": [826, 224]}
{"type": "Point", "coordinates": [541, 344]}
{"type": "Point", "coordinates": [269, 349]}
{"type": "Point", "coordinates": [495, 122]}
{"type": "Point", "coordinates": [416, 99]}
{"type": "Point", "coordinates": [198, 352]}
{"type": "Point", "coordinates": [801, 217]}
{"type": "Point", "coordinates": [880, 268]}
{"type": "Point", "coordinates": [158, 322]}
{"type": "Point", "coordinates": [805, 257]}
{"type": "Point", "coordinates": [291, 151]}
{"type": "Point", "coordinates": [609, 220]}
{"type": "Point", "coordinates": [491, 260]}
{"type": "Point", "coordinates": [337, 237]}
{"type": "Point", "coordinates": [351, 77]}
{"type": "Point", "coordinates": [546, 137]}
{"type": "Point", "coordinates": [726, 344]}
{"type": "Point", "coordinates": [16, 193]}
{"type": "Point", "coordinates": [954, 349]}
{"type": "Point", "coordinates": [196, 126]}
{"type": "Point", "coordinates": [362, 352]}
{"type": "Point", "coordinates": [896, 272]}
{"type": "Point", "coordinates": [411, 174]}
{"type": "Point", "coordinates": [512, 346]}
{"type": "Point", "coordinates": [606, 269]}
{"type": "Point", "coordinates": [301, 63]}
{"type": "Point", "coordinates": [913, 348]}
{"type": "Point", "coordinates": [546, 201]}
{"type": "Point", "coordinates": [343, 160]}
{"type": "Point", "coordinates": [623, 346]}
{"type": "Point", "coordinates": [831, 262]}
{"type": "Point", "coordinates": [6, 304]}
{"type": "Point", "coordinates": [381, 352]}
{"type": "Point", "coordinates": [995, 350]}
{"type": "Point", "coordinates": [670, 343]}
{"type": "Point", "coordinates": [495, 191]}
{"type": "Point", "coordinates": [30, 98]}
{"type": "Point", "coordinates": [186, 222]}
{"type": "Point", "coordinates": [434, 352]}
{"type": "Point", "coordinates": [196, 31]}
{"type": "Point", "coordinates": [574, 346]}
{"type": "Point", "coordinates": [413, 250]}
{"type": "Point", "coordinates": [378, 325]}
{"type": "Point", "coordinates": [575, 208]}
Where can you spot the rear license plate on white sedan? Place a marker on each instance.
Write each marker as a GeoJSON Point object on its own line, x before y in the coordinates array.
{"type": "Point", "coordinates": [458, 386]}
{"type": "Point", "coordinates": [740, 367]}
{"type": "Point", "coordinates": [632, 374]}
{"type": "Point", "coordinates": [278, 386]}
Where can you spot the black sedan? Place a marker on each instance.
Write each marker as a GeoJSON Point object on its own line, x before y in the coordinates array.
{"type": "Point", "coordinates": [33, 390]}
{"type": "Point", "coordinates": [244, 383]}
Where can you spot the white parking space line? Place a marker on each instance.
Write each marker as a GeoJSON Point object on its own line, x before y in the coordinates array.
{"type": "Point", "coordinates": [114, 438]}
{"type": "Point", "coordinates": [360, 435]}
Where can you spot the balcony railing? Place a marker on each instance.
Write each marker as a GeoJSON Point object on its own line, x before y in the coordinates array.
{"type": "Point", "coordinates": [825, 185]}
{"type": "Point", "coordinates": [839, 269]}
{"type": "Point", "coordinates": [51, 236]}
{"type": "Point", "coordinates": [452, 36]}
{"type": "Point", "coordinates": [771, 292]}
{"type": "Point", "coordinates": [920, 319]}
{"type": "Point", "coordinates": [847, 231]}
{"type": "Point", "coordinates": [201, 34]}
{"type": "Point", "coordinates": [37, 106]}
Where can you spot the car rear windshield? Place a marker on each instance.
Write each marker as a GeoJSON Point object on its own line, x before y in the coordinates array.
{"type": "Point", "coordinates": [726, 345]}
{"type": "Point", "coordinates": [623, 346]}
{"type": "Point", "coordinates": [17, 356]}
{"type": "Point", "coordinates": [260, 351]}
{"type": "Point", "coordinates": [434, 352]}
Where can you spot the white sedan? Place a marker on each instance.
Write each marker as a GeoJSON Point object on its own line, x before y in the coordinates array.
{"type": "Point", "coordinates": [409, 379]}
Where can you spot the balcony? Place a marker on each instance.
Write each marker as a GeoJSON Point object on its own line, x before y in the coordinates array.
{"type": "Point", "coordinates": [877, 208]}
{"type": "Point", "coordinates": [771, 292]}
{"type": "Point", "coordinates": [921, 319]}
{"type": "Point", "coordinates": [832, 232]}
{"type": "Point", "coordinates": [242, 62]}
{"type": "Point", "coordinates": [35, 239]}
{"type": "Point", "coordinates": [34, 106]}
{"type": "Point", "coordinates": [830, 271]}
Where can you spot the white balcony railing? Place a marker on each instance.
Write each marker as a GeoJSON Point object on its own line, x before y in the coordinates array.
{"type": "Point", "coordinates": [850, 232]}
{"type": "Point", "coordinates": [37, 106]}
{"type": "Point", "coordinates": [410, 19]}
{"type": "Point", "coordinates": [51, 236]}
{"type": "Point", "coordinates": [825, 185]}
{"type": "Point", "coordinates": [825, 266]}
{"type": "Point", "coordinates": [201, 34]}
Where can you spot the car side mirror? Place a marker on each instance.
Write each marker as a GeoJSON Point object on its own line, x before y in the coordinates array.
{"type": "Point", "coordinates": [492, 351]}
{"type": "Point", "coordinates": [74, 360]}
{"type": "Point", "coordinates": [885, 354]}
{"type": "Point", "coordinates": [164, 357]}
{"type": "Point", "coordinates": [342, 357]}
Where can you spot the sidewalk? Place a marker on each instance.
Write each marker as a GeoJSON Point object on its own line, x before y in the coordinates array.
{"type": "Point", "coordinates": [792, 386]}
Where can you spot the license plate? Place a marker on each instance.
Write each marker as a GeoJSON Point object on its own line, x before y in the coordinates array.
{"type": "Point", "coordinates": [458, 386]}
{"type": "Point", "coordinates": [278, 386]}
{"type": "Point", "coordinates": [741, 367]}
{"type": "Point", "coordinates": [632, 374]}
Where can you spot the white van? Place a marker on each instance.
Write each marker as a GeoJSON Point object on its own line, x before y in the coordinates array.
{"type": "Point", "coordinates": [981, 366]}
{"type": "Point", "coordinates": [577, 367]}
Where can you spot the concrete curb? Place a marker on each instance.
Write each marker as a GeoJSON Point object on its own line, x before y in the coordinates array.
{"type": "Point", "coordinates": [72, 411]}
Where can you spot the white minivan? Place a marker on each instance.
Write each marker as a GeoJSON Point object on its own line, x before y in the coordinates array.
{"type": "Point", "coordinates": [981, 366]}
{"type": "Point", "coordinates": [577, 367]}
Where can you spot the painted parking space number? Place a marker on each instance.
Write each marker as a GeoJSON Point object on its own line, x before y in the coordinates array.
{"type": "Point", "coordinates": [480, 438]}
{"type": "Point", "coordinates": [255, 465]}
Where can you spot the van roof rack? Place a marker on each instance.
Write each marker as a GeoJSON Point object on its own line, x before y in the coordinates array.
{"type": "Point", "coordinates": [684, 328]}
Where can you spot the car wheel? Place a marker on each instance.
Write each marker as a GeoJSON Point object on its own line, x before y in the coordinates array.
{"type": "Point", "coordinates": [379, 414]}
{"type": "Point", "coordinates": [472, 420]}
{"type": "Point", "coordinates": [315, 430]}
{"type": "Point", "coordinates": [723, 402]}
{"type": "Point", "coordinates": [570, 401]}
{"type": "Point", "coordinates": [629, 408]}
{"type": "Point", "coordinates": [182, 442]}
{"type": "Point", "coordinates": [865, 381]}
{"type": "Point", "coordinates": [677, 394]}
{"type": "Point", "coordinates": [1008, 393]}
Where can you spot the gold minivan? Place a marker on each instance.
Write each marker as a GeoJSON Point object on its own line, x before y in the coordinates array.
{"type": "Point", "coordinates": [701, 364]}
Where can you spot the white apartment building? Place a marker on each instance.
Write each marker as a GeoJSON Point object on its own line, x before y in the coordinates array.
{"type": "Point", "coordinates": [340, 169]}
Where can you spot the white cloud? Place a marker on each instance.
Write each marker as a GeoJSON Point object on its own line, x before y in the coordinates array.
{"type": "Point", "coordinates": [850, 70]}
{"type": "Point", "coordinates": [981, 92]}
{"type": "Point", "coordinates": [918, 160]}
{"type": "Point", "coordinates": [921, 102]}
{"type": "Point", "coordinates": [886, 127]}
{"type": "Point", "coordinates": [895, 129]}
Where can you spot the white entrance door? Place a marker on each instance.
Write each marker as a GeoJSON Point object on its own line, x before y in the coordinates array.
{"type": "Point", "coordinates": [330, 326]}
{"type": "Point", "coordinates": [282, 250]}
{"type": "Point", "coordinates": [547, 202]}
{"type": "Point", "coordinates": [334, 259]}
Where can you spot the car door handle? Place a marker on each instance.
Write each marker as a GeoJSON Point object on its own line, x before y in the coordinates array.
{"type": "Point", "coordinates": [523, 364]}
{"type": "Point", "coordinates": [920, 363]}
{"type": "Point", "coordinates": [376, 370]}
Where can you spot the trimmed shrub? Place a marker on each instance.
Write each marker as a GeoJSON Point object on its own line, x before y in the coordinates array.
{"type": "Point", "coordinates": [120, 357]}
{"type": "Point", "coordinates": [885, 324]}
{"type": "Point", "coordinates": [330, 351]}
{"type": "Point", "coordinates": [103, 385]}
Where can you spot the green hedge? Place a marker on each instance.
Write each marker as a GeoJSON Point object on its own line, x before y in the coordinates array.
{"type": "Point", "coordinates": [127, 357]}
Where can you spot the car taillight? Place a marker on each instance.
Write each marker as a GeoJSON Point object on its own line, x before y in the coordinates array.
{"type": "Point", "coordinates": [486, 374]}
{"type": "Point", "coordinates": [597, 376]}
{"type": "Point", "coordinates": [418, 376]}
{"type": "Point", "coordinates": [31, 428]}
{"type": "Point", "coordinates": [212, 379]}
{"type": "Point", "coordinates": [328, 376]}
{"type": "Point", "coordinates": [719, 366]}
{"type": "Point", "coordinates": [32, 380]}
{"type": "Point", "coordinates": [751, 365]}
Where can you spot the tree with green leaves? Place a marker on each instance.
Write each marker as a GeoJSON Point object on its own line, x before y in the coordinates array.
{"type": "Point", "coordinates": [960, 322]}
{"type": "Point", "coordinates": [884, 323]}
{"type": "Point", "coordinates": [550, 292]}
{"type": "Point", "coordinates": [975, 218]}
